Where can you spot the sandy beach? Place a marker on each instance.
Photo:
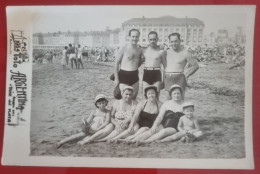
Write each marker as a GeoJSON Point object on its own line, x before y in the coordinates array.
{"type": "Point", "coordinates": [60, 98]}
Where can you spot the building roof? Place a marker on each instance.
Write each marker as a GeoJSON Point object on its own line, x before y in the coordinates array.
{"type": "Point", "coordinates": [165, 20]}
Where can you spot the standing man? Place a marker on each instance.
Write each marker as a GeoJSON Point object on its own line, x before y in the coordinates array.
{"type": "Point", "coordinates": [128, 60]}
{"type": "Point", "coordinates": [176, 60]}
{"type": "Point", "coordinates": [72, 56]}
{"type": "Point", "coordinates": [79, 56]}
{"type": "Point", "coordinates": [154, 58]}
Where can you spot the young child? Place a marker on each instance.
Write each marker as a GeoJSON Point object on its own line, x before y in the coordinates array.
{"type": "Point", "coordinates": [188, 126]}
{"type": "Point", "coordinates": [96, 121]}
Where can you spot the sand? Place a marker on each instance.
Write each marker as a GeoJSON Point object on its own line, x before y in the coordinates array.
{"type": "Point", "coordinates": [60, 98]}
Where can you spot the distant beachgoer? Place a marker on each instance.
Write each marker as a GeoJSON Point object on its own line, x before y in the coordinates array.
{"type": "Point", "coordinates": [122, 113]}
{"type": "Point", "coordinates": [79, 56]}
{"type": "Point", "coordinates": [177, 58]}
{"type": "Point", "coordinates": [72, 56]}
{"type": "Point", "coordinates": [97, 120]}
{"type": "Point", "coordinates": [188, 126]}
{"type": "Point", "coordinates": [63, 59]}
{"type": "Point", "coordinates": [128, 60]}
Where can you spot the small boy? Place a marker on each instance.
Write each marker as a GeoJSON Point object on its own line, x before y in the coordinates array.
{"type": "Point", "coordinates": [97, 120]}
{"type": "Point", "coordinates": [188, 126]}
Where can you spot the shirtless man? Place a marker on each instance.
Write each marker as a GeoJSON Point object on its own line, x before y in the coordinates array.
{"type": "Point", "coordinates": [128, 59]}
{"type": "Point", "coordinates": [176, 60]}
{"type": "Point", "coordinates": [154, 58]}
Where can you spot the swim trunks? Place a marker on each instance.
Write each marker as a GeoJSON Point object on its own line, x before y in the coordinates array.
{"type": "Point", "coordinates": [152, 75]}
{"type": "Point", "coordinates": [128, 77]}
{"type": "Point", "coordinates": [175, 78]}
{"type": "Point", "coordinates": [171, 119]}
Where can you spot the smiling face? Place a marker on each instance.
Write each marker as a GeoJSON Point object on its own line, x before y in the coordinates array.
{"type": "Point", "coordinates": [151, 94]}
{"type": "Point", "coordinates": [188, 111]}
{"type": "Point", "coordinates": [176, 94]}
{"type": "Point", "coordinates": [174, 42]}
{"type": "Point", "coordinates": [134, 37]}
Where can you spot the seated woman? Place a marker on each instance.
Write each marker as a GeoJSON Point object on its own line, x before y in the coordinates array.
{"type": "Point", "coordinates": [145, 114]}
{"type": "Point", "coordinates": [122, 113]}
{"type": "Point", "coordinates": [167, 121]}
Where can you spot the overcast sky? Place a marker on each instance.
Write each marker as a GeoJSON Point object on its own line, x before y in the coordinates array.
{"type": "Point", "coordinates": [86, 18]}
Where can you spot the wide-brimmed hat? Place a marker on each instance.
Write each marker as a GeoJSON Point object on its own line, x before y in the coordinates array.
{"type": "Point", "coordinates": [187, 104]}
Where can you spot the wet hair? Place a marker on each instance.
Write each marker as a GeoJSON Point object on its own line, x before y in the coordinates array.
{"type": "Point", "coordinates": [153, 32]}
{"type": "Point", "coordinates": [174, 89]}
{"type": "Point", "coordinates": [100, 100]}
{"type": "Point", "coordinates": [145, 94]}
{"type": "Point", "coordinates": [174, 34]}
{"type": "Point", "coordinates": [133, 29]}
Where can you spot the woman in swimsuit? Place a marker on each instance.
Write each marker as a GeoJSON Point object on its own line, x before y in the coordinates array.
{"type": "Point", "coordinates": [167, 120]}
{"type": "Point", "coordinates": [145, 115]}
{"type": "Point", "coordinates": [122, 113]}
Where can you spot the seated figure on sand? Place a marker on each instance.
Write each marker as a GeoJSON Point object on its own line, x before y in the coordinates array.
{"type": "Point", "coordinates": [97, 120]}
{"type": "Point", "coordinates": [122, 113]}
{"type": "Point", "coordinates": [167, 120]}
{"type": "Point", "coordinates": [188, 126]}
{"type": "Point", "coordinates": [145, 115]}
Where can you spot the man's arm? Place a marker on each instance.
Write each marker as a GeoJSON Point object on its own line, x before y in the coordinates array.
{"type": "Point", "coordinates": [193, 65]}
{"type": "Point", "coordinates": [119, 57]}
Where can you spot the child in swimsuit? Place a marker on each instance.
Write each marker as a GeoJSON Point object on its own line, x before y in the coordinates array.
{"type": "Point", "coordinates": [96, 121]}
{"type": "Point", "coordinates": [188, 124]}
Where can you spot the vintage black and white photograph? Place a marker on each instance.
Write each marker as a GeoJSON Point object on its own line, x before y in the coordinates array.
{"type": "Point", "coordinates": [135, 83]}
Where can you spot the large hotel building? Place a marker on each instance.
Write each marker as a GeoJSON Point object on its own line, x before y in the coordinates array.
{"type": "Point", "coordinates": [190, 29]}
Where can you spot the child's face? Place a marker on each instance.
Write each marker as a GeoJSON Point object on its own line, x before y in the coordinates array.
{"type": "Point", "coordinates": [176, 94]}
{"type": "Point", "coordinates": [102, 104]}
{"type": "Point", "coordinates": [151, 94]}
{"type": "Point", "coordinates": [188, 111]}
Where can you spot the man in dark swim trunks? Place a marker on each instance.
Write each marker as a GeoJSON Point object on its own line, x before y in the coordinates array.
{"type": "Point", "coordinates": [154, 58]}
{"type": "Point", "coordinates": [128, 60]}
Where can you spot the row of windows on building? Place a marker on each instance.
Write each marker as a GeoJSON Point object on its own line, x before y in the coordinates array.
{"type": "Point", "coordinates": [167, 29]}
{"type": "Point", "coordinates": [162, 25]}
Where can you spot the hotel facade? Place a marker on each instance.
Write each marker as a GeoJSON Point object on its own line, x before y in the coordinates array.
{"type": "Point", "coordinates": [190, 29]}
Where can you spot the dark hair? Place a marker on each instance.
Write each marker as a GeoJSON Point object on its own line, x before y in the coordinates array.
{"type": "Point", "coordinates": [78, 45]}
{"type": "Point", "coordinates": [99, 100]}
{"type": "Point", "coordinates": [66, 47]}
{"type": "Point", "coordinates": [145, 91]}
{"type": "Point", "coordinates": [70, 45]}
{"type": "Point", "coordinates": [174, 34]}
{"type": "Point", "coordinates": [174, 89]}
{"type": "Point", "coordinates": [153, 32]}
{"type": "Point", "coordinates": [133, 29]}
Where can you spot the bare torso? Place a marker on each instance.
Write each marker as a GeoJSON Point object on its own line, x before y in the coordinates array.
{"type": "Point", "coordinates": [176, 61]}
{"type": "Point", "coordinates": [188, 124]}
{"type": "Point", "coordinates": [131, 58]}
{"type": "Point", "coordinates": [153, 57]}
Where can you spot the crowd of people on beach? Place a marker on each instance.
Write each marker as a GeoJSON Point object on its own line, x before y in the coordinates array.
{"type": "Point", "coordinates": [150, 120]}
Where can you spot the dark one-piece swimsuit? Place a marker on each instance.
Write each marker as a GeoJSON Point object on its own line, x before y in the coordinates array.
{"type": "Point", "coordinates": [147, 119]}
